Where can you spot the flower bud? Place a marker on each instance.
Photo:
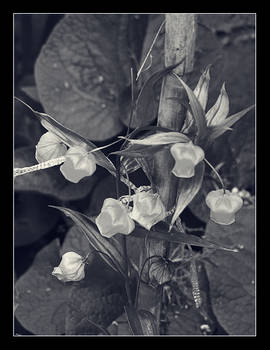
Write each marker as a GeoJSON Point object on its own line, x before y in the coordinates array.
{"type": "Point", "coordinates": [49, 147]}
{"type": "Point", "coordinates": [161, 271]}
{"type": "Point", "coordinates": [114, 218]}
{"type": "Point", "coordinates": [223, 206]}
{"type": "Point", "coordinates": [71, 268]}
{"type": "Point", "coordinates": [78, 164]}
{"type": "Point", "coordinates": [186, 156]}
{"type": "Point", "coordinates": [148, 209]}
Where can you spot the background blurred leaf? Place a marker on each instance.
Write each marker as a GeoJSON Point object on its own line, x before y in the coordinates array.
{"type": "Point", "coordinates": [232, 275]}
{"type": "Point", "coordinates": [79, 73]}
{"type": "Point", "coordinates": [42, 298]}
{"type": "Point", "coordinates": [32, 217]}
{"type": "Point", "coordinates": [47, 306]}
{"type": "Point", "coordinates": [49, 181]}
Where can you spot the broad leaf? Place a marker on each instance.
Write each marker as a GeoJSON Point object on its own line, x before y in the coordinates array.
{"type": "Point", "coordinates": [41, 298]}
{"type": "Point", "coordinates": [79, 73]}
{"type": "Point", "coordinates": [232, 276]}
{"type": "Point", "coordinates": [187, 190]}
{"type": "Point", "coordinates": [46, 306]}
{"type": "Point", "coordinates": [98, 299]}
{"type": "Point", "coordinates": [110, 250]}
{"type": "Point", "coordinates": [32, 217]}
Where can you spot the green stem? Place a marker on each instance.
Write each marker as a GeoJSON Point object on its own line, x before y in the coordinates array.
{"type": "Point", "coordinates": [217, 174]}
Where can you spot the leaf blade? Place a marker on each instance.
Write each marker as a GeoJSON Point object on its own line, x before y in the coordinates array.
{"type": "Point", "coordinates": [111, 253]}
{"type": "Point", "coordinates": [187, 190]}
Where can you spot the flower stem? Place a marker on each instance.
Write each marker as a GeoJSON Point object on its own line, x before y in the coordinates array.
{"type": "Point", "coordinates": [149, 51]}
{"type": "Point", "coordinates": [217, 174]}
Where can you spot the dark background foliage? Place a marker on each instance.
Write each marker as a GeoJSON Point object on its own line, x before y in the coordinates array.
{"type": "Point", "coordinates": [225, 40]}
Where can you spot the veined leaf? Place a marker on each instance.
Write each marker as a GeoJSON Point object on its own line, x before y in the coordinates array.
{"type": "Point", "coordinates": [220, 109]}
{"type": "Point", "coordinates": [196, 108]}
{"type": "Point", "coordinates": [71, 138]}
{"type": "Point", "coordinates": [187, 190]}
{"type": "Point", "coordinates": [109, 248]}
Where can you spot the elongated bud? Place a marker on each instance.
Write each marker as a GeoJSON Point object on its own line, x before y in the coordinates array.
{"type": "Point", "coordinates": [78, 164]}
{"type": "Point", "coordinates": [187, 156]}
{"type": "Point", "coordinates": [114, 219]}
{"type": "Point", "coordinates": [71, 268]}
{"type": "Point", "coordinates": [148, 209]}
{"type": "Point", "coordinates": [223, 206]}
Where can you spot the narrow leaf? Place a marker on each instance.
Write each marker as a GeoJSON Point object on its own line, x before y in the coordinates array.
{"type": "Point", "coordinates": [219, 129]}
{"type": "Point", "coordinates": [162, 138]}
{"type": "Point", "coordinates": [196, 108]}
{"type": "Point", "coordinates": [110, 249]}
{"type": "Point", "coordinates": [178, 237]}
{"type": "Point", "coordinates": [133, 320]}
{"type": "Point", "coordinates": [201, 89]}
{"type": "Point", "coordinates": [220, 109]}
{"type": "Point", "coordinates": [71, 138]}
{"type": "Point", "coordinates": [138, 151]}
{"type": "Point", "coordinates": [187, 190]}
{"type": "Point", "coordinates": [148, 322]}
{"type": "Point", "coordinates": [146, 106]}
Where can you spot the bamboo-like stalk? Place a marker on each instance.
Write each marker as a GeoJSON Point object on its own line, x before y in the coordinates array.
{"type": "Point", "coordinates": [180, 36]}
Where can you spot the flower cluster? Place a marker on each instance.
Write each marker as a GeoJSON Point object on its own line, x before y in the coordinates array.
{"type": "Point", "coordinates": [78, 162]}
{"type": "Point", "coordinates": [115, 217]}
